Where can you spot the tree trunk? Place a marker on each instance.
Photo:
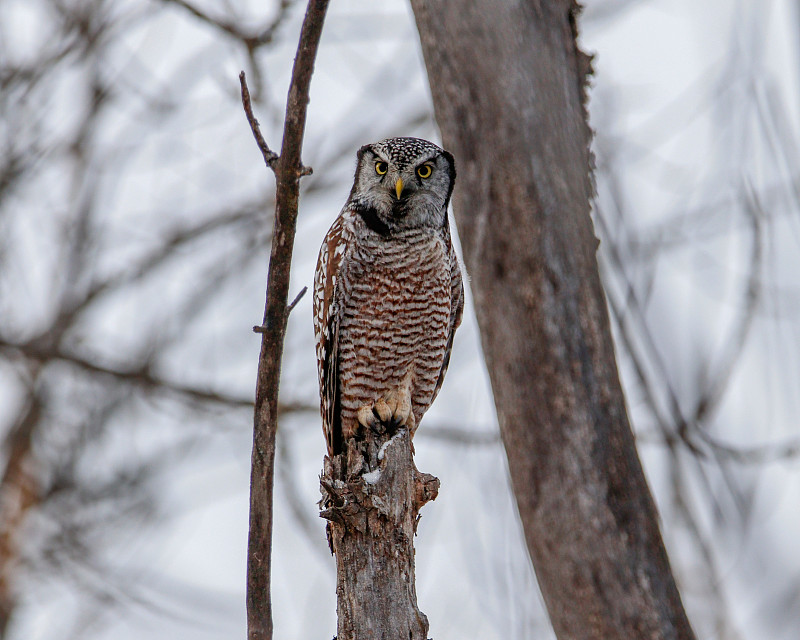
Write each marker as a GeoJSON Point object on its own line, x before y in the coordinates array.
{"type": "Point", "coordinates": [509, 94]}
{"type": "Point", "coordinates": [372, 494]}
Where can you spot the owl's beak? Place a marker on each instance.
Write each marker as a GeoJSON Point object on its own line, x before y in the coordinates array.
{"type": "Point", "coordinates": [398, 187]}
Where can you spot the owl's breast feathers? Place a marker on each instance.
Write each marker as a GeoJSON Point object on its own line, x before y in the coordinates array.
{"type": "Point", "coordinates": [383, 308]}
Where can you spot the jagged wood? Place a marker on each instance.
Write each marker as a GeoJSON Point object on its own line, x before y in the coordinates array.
{"type": "Point", "coordinates": [372, 494]}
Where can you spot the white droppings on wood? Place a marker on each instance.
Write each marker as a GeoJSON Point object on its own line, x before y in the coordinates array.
{"type": "Point", "coordinates": [372, 477]}
{"type": "Point", "coordinates": [387, 444]}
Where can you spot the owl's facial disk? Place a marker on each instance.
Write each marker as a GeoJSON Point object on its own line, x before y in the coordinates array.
{"type": "Point", "coordinates": [390, 183]}
{"type": "Point", "coordinates": [405, 193]}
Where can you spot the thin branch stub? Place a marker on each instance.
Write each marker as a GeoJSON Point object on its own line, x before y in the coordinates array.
{"type": "Point", "coordinates": [294, 302]}
{"type": "Point", "coordinates": [263, 328]}
{"type": "Point", "coordinates": [270, 157]}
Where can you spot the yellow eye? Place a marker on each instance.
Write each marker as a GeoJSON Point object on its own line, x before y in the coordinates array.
{"type": "Point", "coordinates": [381, 168]}
{"type": "Point", "coordinates": [424, 171]}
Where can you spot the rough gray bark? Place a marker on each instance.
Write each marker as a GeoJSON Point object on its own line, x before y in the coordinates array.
{"type": "Point", "coordinates": [509, 95]}
{"type": "Point", "coordinates": [372, 494]}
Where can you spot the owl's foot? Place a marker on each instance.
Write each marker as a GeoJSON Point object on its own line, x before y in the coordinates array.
{"type": "Point", "coordinates": [389, 413]}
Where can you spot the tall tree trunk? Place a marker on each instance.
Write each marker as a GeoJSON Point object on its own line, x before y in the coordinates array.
{"type": "Point", "coordinates": [508, 84]}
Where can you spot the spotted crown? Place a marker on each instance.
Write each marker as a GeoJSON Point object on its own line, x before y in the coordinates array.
{"type": "Point", "coordinates": [405, 151]}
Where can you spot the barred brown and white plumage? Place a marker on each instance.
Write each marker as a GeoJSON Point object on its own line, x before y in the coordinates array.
{"type": "Point", "coordinates": [388, 294]}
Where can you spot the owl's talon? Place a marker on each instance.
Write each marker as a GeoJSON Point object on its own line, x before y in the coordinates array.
{"type": "Point", "coordinates": [399, 404]}
{"type": "Point", "coordinates": [389, 413]}
{"type": "Point", "coordinates": [367, 417]}
{"type": "Point", "coordinates": [382, 410]}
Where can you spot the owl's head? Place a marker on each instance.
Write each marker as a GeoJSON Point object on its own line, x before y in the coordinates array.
{"type": "Point", "coordinates": [403, 183]}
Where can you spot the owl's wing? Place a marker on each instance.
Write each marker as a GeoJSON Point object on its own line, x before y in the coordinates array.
{"type": "Point", "coordinates": [327, 314]}
{"type": "Point", "coordinates": [456, 313]}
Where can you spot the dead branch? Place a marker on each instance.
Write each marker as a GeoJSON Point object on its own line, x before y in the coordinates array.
{"type": "Point", "coordinates": [270, 157]}
{"type": "Point", "coordinates": [141, 376]}
{"type": "Point", "coordinates": [251, 39]}
{"type": "Point", "coordinates": [288, 171]}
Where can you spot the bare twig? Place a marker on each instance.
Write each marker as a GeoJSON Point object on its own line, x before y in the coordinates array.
{"type": "Point", "coordinates": [263, 328]}
{"type": "Point", "coordinates": [251, 39]}
{"type": "Point", "coordinates": [141, 376]}
{"type": "Point", "coordinates": [288, 171]}
{"type": "Point", "coordinates": [297, 299]}
{"type": "Point", "coordinates": [270, 157]}
{"type": "Point", "coordinates": [231, 28]}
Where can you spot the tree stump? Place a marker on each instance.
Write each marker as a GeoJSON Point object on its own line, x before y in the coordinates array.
{"type": "Point", "coordinates": [371, 496]}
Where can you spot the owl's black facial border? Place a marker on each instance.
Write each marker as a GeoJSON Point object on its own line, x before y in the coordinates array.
{"type": "Point", "coordinates": [451, 169]}
{"type": "Point", "coordinates": [400, 208]}
{"type": "Point", "coordinates": [371, 218]}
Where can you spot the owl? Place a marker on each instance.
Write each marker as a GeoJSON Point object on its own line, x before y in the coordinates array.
{"type": "Point", "coordinates": [388, 295]}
